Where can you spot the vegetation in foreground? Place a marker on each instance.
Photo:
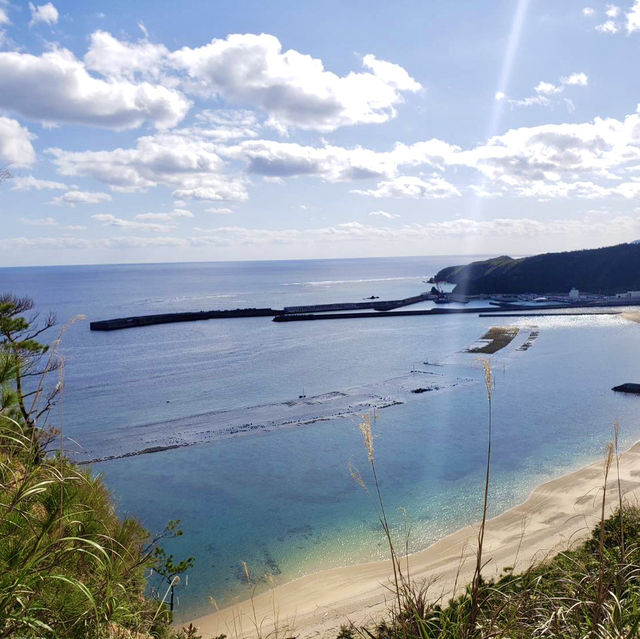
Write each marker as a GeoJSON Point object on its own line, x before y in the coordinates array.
{"type": "Point", "coordinates": [70, 568]}
{"type": "Point", "coordinates": [591, 592]}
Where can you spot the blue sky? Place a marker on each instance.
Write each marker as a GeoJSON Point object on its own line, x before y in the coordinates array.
{"type": "Point", "coordinates": [157, 131]}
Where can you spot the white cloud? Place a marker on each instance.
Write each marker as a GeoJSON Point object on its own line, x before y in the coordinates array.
{"type": "Point", "coordinates": [50, 221]}
{"type": "Point", "coordinates": [111, 220]}
{"type": "Point", "coordinates": [165, 217]}
{"type": "Point", "coordinates": [544, 91]}
{"type": "Point", "coordinates": [612, 11]}
{"type": "Point", "coordinates": [15, 143]}
{"type": "Point", "coordinates": [45, 13]}
{"type": "Point", "coordinates": [56, 87]}
{"type": "Point", "coordinates": [588, 159]}
{"type": "Point", "coordinates": [590, 228]}
{"type": "Point", "coordinates": [73, 198]}
{"type": "Point", "coordinates": [412, 187]}
{"type": "Point", "coordinates": [114, 58]}
{"type": "Point", "coordinates": [588, 11]}
{"type": "Point", "coordinates": [547, 88]}
{"type": "Point", "coordinates": [4, 18]}
{"type": "Point", "coordinates": [223, 191]}
{"type": "Point", "coordinates": [633, 17]}
{"type": "Point", "coordinates": [608, 27]}
{"type": "Point", "coordinates": [40, 221]}
{"type": "Point", "coordinates": [219, 210]}
{"type": "Point", "coordinates": [293, 88]}
{"type": "Point", "coordinates": [179, 160]}
{"type": "Point", "coordinates": [575, 79]}
{"type": "Point", "coordinates": [224, 125]}
{"type": "Point", "coordinates": [388, 216]}
{"type": "Point", "coordinates": [29, 183]}
{"type": "Point", "coordinates": [275, 160]}
{"type": "Point", "coordinates": [284, 159]}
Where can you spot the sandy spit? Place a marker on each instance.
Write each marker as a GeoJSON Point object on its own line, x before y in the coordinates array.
{"type": "Point", "coordinates": [557, 515]}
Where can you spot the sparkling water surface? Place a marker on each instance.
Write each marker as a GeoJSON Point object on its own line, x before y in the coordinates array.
{"type": "Point", "coordinates": [284, 501]}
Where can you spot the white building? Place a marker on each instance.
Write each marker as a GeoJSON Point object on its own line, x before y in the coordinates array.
{"type": "Point", "coordinates": [629, 295]}
{"type": "Point", "coordinates": [574, 294]}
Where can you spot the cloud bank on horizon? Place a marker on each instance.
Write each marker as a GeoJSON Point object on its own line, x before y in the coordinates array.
{"type": "Point", "coordinates": [346, 134]}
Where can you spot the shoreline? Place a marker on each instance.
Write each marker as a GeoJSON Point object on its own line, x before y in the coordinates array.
{"type": "Point", "coordinates": [557, 514]}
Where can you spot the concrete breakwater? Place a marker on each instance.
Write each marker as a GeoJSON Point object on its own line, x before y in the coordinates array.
{"type": "Point", "coordinates": [168, 318]}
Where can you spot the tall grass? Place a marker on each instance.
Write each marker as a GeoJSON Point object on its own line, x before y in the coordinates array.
{"type": "Point", "coordinates": [70, 568]}
{"type": "Point", "coordinates": [591, 592]}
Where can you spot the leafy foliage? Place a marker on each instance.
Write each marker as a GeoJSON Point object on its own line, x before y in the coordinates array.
{"type": "Point", "coordinates": [70, 568]}
{"type": "Point", "coordinates": [613, 269]}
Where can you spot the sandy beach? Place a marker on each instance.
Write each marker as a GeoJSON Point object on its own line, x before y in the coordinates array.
{"type": "Point", "coordinates": [557, 515]}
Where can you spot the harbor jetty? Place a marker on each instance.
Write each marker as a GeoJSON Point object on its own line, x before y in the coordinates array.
{"type": "Point", "coordinates": [168, 318]}
{"type": "Point", "coordinates": [629, 387]}
{"type": "Point", "coordinates": [384, 308]}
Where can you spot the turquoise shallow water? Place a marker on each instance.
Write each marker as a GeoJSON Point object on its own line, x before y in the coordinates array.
{"type": "Point", "coordinates": [284, 501]}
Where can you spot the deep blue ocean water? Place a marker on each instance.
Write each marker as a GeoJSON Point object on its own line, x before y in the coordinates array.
{"type": "Point", "coordinates": [284, 501]}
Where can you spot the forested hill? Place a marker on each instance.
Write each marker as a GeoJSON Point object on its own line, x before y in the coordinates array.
{"type": "Point", "coordinates": [613, 269]}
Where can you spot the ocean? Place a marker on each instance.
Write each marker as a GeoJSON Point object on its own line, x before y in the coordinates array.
{"type": "Point", "coordinates": [279, 495]}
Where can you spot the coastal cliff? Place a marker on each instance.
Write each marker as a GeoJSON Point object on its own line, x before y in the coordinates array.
{"type": "Point", "coordinates": [609, 270]}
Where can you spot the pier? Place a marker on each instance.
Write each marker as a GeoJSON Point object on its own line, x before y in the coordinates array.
{"type": "Point", "coordinates": [169, 318]}
{"type": "Point", "coordinates": [367, 308]}
{"type": "Point", "coordinates": [120, 323]}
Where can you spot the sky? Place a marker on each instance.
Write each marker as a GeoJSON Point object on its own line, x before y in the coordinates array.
{"type": "Point", "coordinates": [155, 131]}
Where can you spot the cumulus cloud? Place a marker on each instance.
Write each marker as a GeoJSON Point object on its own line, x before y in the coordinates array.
{"type": "Point", "coordinates": [45, 13]}
{"type": "Point", "coordinates": [575, 79]}
{"type": "Point", "coordinates": [547, 88]}
{"type": "Point", "coordinates": [544, 92]}
{"type": "Point", "coordinates": [294, 89]}
{"type": "Point", "coordinates": [15, 143]}
{"type": "Point", "coordinates": [618, 20]}
{"type": "Point", "coordinates": [40, 221]}
{"type": "Point", "coordinates": [609, 26]}
{"type": "Point", "coordinates": [412, 187]}
{"type": "Point", "coordinates": [215, 191]}
{"type": "Point", "coordinates": [50, 221]}
{"type": "Point", "coordinates": [4, 18]}
{"type": "Point", "coordinates": [73, 198]}
{"type": "Point", "coordinates": [57, 88]}
{"type": "Point", "coordinates": [275, 160]}
{"type": "Point", "coordinates": [588, 228]}
{"type": "Point", "coordinates": [111, 220]}
{"type": "Point", "coordinates": [216, 210]}
{"type": "Point", "coordinates": [589, 159]}
{"type": "Point", "coordinates": [114, 58]}
{"type": "Point", "coordinates": [165, 217]}
{"type": "Point", "coordinates": [633, 17]}
{"type": "Point", "coordinates": [30, 183]}
{"type": "Point", "coordinates": [384, 214]}
{"type": "Point", "coordinates": [224, 124]}
{"type": "Point", "coordinates": [588, 11]}
{"type": "Point", "coordinates": [612, 11]}
{"type": "Point", "coordinates": [188, 164]}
